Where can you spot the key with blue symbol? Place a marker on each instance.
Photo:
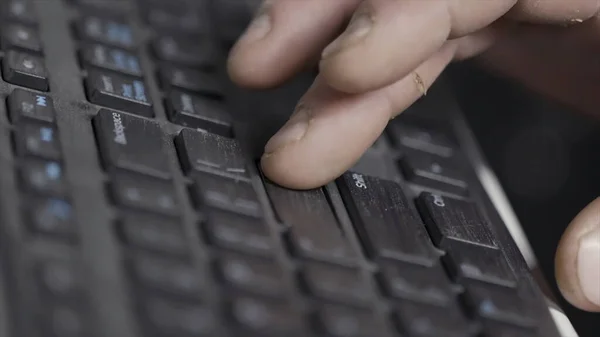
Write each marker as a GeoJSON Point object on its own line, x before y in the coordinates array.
{"type": "Point", "coordinates": [37, 139]}
{"type": "Point", "coordinates": [44, 177]}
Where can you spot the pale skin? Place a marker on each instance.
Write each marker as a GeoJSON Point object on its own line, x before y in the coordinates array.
{"type": "Point", "coordinates": [388, 56]}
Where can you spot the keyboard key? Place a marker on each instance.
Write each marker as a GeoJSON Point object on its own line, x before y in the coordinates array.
{"type": "Point", "coordinates": [25, 70]}
{"type": "Point", "coordinates": [196, 53]}
{"type": "Point", "coordinates": [341, 321]}
{"type": "Point", "coordinates": [258, 275]}
{"type": "Point", "coordinates": [384, 219]}
{"type": "Point", "coordinates": [21, 37]}
{"type": "Point", "coordinates": [478, 263]}
{"type": "Point", "coordinates": [500, 304]}
{"type": "Point", "coordinates": [22, 11]}
{"type": "Point", "coordinates": [237, 232]}
{"type": "Point", "coordinates": [493, 329]}
{"type": "Point", "coordinates": [225, 193]}
{"type": "Point", "coordinates": [414, 282]}
{"type": "Point", "coordinates": [424, 169]}
{"type": "Point", "coordinates": [131, 143]}
{"type": "Point", "coordinates": [166, 317]}
{"type": "Point", "coordinates": [267, 317]}
{"type": "Point", "coordinates": [314, 229]}
{"type": "Point", "coordinates": [22, 103]}
{"type": "Point", "coordinates": [153, 233]}
{"type": "Point", "coordinates": [118, 92]}
{"type": "Point", "coordinates": [51, 216]}
{"type": "Point", "coordinates": [46, 177]}
{"type": "Point", "coordinates": [337, 283]}
{"type": "Point", "coordinates": [106, 31]}
{"type": "Point", "coordinates": [59, 279]}
{"type": "Point", "coordinates": [207, 152]}
{"type": "Point", "coordinates": [421, 139]}
{"type": "Point", "coordinates": [420, 320]}
{"type": "Point", "coordinates": [36, 139]}
{"type": "Point", "coordinates": [199, 113]}
{"type": "Point", "coordinates": [171, 77]}
{"type": "Point", "coordinates": [174, 17]}
{"type": "Point", "coordinates": [111, 59]}
{"type": "Point", "coordinates": [144, 193]}
{"type": "Point", "coordinates": [447, 217]}
{"type": "Point", "coordinates": [64, 320]}
{"type": "Point", "coordinates": [166, 275]}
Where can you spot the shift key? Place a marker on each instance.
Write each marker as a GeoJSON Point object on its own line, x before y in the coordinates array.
{"type": "Point", "coordinates": [131, 143]}
{"type": "Point", "coordinates": [383, 218]}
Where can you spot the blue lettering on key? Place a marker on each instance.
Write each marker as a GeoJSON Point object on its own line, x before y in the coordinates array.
{"type": "Point", "coordinates": [133, 64]}
{"type": "Point", "coordinates": [41, 100]}
{"type": "Point", "coordinates": [53, 170]}
{"type": "Point", "coordinates": [59, 208]}
{"type": "Point", "coordinates": [140, 91]}
{"type": "Point", "coordinates": [46, 134]}
{"type": "Point", "coordinates": [127, 90]}
{"type": "Point", "coordinates": [119, 33]}
{"type": "Point", "coordinates": [118, 58]}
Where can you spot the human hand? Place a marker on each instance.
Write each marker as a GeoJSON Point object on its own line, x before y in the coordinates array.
{"type": "Point", "coordinates": [388, 56]}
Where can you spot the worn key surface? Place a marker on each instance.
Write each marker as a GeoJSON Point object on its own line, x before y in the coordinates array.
{"type": "Point", "coordinates": [118, 92]}
{"type": "Point", "coordinates": [196, 111]}
{"type": "Point", "coordinates": [25, 70]}
{"type": "Point", "coordinates": [381, 214]}
{"type": "Point", "coordinates": [131, 143]}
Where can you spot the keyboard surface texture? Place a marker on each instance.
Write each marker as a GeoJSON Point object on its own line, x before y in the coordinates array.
{"type": "Point", "coordinates": [131, 202]}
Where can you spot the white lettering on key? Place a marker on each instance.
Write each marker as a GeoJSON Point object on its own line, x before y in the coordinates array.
{"type": "Point", "coordinates": [108, 84]}
{"type": "Point", "coordinates": [359, 181]}
{"type": "Point", "coordinates": [438, 200]}
{"type": "Point", "coordinates": [119, 129]}
{"type": "Point", "coordinates": [186, 103]}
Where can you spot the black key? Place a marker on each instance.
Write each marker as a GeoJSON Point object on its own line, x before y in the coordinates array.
{"type": "Point", "coordinates": [64, 320]}
{"type": "Point", "coordinates": [153, 233]}
{"type": "Point", "coordinates": [175, 17]}
{"type": "Point", "coordinates": [314, 229]}
{"type": "Point", "coordinates": [37, 139]}
{"type": "Point", "coordinates": [415, 282]}
{"type": "Point", "coordinates": [119, 92]}
{"type": "Point", "coordinates": [131, 143]}
{"type": "Point", "coordinates": [494, 329]}
{"type": "Point", "coordinates": [171, 77]}
{"type": "Point", "coordinates": [166, 317]}
{"type": "Point", "coordinates": [337, 283]}
{"type": "Point", "coordinates": [413, 137]}
{"type": "Point", "coordinates": [237, 232]}
{"type": "Point", "coordinates": [341, 321]}
{"type": "Point", "coordinates": [207, 152]}
{"type": "Point", "coordinates": [144, 193]}
{"type": "Point", "coordinates": [46, 177]}
{"type": "Point", "coordinates": [253, 274]}
{"type": "Point", "coordinates": [500, 303]}
{"type": "Point", "coordinates": [199, 112]}
{"type": "Point", "coordinates": [447, 217]}
{"type": "Point", "coordinates": [166, 275]}
{"type": "Point", "coordinates": [267, 317]}
{"type": "Point", "coordinates": [421, 320]}
{"type": "Point", "coordinates": [21, 37]}
{"type": "Point", "coordinates": [198, 52]}
{"type": "Point", "coordinates": [23, 103]}
{"type": "Point", "coordinates": [114, 59]}
{"type": "Point", "coordinates": [382, 215]}
{"type": "Point", "coordinates": [431, 171]}
{"type": "Point", "coordinates": [25, 70]}
{"type": "Point", "coordinates": [51, 216]}
{"type": "Point", "coordinates": [479, 263]}
{"type": "Point", "coordinates": [59, 279]}
{"type": "Point", "coordinates": [22, 11]}
{"type": "Point", "coordinates": [225, 193]}
{"type": "Point", "coordinates": [106, 31]}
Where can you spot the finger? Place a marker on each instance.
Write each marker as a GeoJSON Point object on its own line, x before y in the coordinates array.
{"type": "Point", "coordinates": [552, 11]}
{"type": "Point", "coordinates": [283, 37]}
{"type": "Point", "coordinates": [386, 39]}
{"type": "Point", "coordinates": [330, 130]}
{"type": "Point", "coordinates": [578, 260]}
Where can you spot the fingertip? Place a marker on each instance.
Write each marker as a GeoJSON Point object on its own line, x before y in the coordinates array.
{"type": "Point", "coordinates": [246, 71]}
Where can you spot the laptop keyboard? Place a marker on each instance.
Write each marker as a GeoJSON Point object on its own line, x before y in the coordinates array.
{"type": "Point", "coordinates": [132, 207]}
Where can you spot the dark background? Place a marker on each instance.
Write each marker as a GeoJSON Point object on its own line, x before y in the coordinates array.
{"type": "Point", "coordinates": [546, 157]}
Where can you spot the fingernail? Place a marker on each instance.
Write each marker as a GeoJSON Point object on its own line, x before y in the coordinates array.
{"type": "Point", "coordinates": [358, 28]}
{"type": "Point", "coordinates": [292, 131]}
{"type": "Point", "coordinates": [260, 25]}
{"type": "Point", "coordinates": [588, 266]}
